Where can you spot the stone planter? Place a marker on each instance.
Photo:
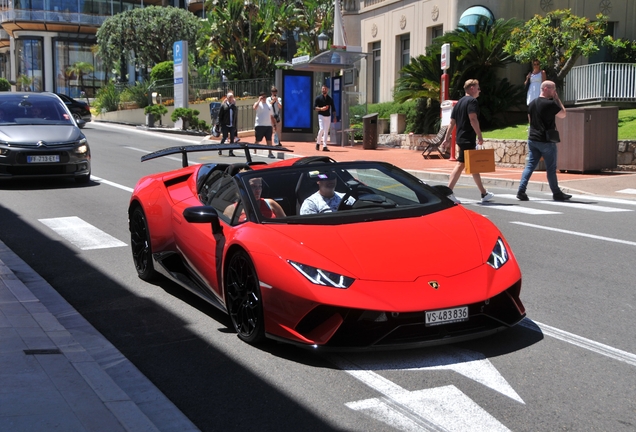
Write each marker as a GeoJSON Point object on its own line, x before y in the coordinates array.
{"type": "Point", "coordinates": [150, 120]}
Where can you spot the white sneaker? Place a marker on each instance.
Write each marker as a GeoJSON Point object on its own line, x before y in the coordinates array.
{"type": "Point", "coordinates": [487, 196]}
{"type": "Point", "coordinates": [454, 199]}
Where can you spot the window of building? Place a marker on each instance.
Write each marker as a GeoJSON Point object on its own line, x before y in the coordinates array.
{"type": "Point", "coordinates": [67, 54]}
{"type": "Point", "coordinates": [405, 50]}
{"type": "Point", "coordinates": [436, 31]}
{"type": "Point", "coordinates": [376, 72]}
{"type": "Point", "coordinates": [29, 64]}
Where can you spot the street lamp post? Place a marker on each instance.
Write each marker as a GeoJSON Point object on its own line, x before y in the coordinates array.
{"type": "Point", "coordinates": [323, 40]}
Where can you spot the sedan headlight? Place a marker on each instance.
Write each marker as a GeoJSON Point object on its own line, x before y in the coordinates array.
{"type": "Point", "coordinates": [499, 255]}
{"type": "Point", "coordinates": [82, 147]}
{"type": "Point", "coordinates": [322, 277]}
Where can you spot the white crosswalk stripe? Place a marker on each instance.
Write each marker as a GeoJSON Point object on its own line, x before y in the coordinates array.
{"type": "Point", "coordinates": [82, 234]}
{"type": "Point", "coordinates": [580, 202]}
{"type": "Point", "coordinates": [589, 205]}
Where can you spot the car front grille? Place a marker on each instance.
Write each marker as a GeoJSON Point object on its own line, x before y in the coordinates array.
{"type": "Point", "coordinates": [367, 329]}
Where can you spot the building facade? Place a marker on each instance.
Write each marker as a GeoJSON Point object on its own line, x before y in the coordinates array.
{"type": "Point", "coordinates": [41, 41]}
{"type": "Point", "coordinates": [393, 31]}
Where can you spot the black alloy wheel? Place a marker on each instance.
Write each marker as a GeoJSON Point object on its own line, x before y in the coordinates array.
{"type": "Point", "coordinates": [140, 245]}
{"type": "Point", "coordinates": [243, 297]}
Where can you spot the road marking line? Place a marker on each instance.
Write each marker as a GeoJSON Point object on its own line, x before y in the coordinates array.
{"type": "Point", "coordinates": [582, 342]}
{"type": "Point", "coordinates": [596, 237]}
{"type": "Point", "coordinates": [82, 234]}
{"type": "Point", "coordinates": [627, 191]}
{"type": "Point", "coordinates": [110, 183]}
{"type": "Point", "coordinates": [437, 409]}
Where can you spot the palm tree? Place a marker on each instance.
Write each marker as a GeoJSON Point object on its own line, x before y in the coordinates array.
{"type": "Point", "coordinates": [79, 69]}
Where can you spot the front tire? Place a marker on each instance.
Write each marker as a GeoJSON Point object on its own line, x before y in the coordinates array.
{"type": "Point", "coordinates": [243, 299]}
{"type": "Point", "coordinates": [140, 245]}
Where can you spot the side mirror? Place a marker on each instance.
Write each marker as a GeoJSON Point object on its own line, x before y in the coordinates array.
{"type": "Point", "coordinates": [203, 214]}
{"type": "Point", "coordinates": [80, 123]}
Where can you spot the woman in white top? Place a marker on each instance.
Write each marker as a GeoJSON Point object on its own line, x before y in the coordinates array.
{"type": "Point", "coordinates": [533, 81]}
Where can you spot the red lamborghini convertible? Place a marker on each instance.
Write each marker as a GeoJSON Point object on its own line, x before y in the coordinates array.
{"type": "Point", "coordinates": [392, 262]}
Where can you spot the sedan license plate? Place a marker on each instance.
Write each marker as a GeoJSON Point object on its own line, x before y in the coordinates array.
{"type": "Point", "coordinates": [446, 316]}
{"type": "Point", "coordinates": [43, 159]}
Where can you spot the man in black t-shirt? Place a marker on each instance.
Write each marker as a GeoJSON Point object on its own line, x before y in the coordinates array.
{"type": "Point", "coordinates": [326, 109]}
{"type": "Point", "coordinates": [464, 116]}
{"type": "Point", "coordinates": [542, 112]}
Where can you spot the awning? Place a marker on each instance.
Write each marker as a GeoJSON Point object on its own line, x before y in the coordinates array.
{"type": "Point", "coordinates": [329, 61]}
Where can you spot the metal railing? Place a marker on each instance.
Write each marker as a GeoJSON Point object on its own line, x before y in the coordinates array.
{"type": "Point", "coordinates": [61, 17]}
{"type": "Point", "coordinates": [202, 90]}
{"type": "Point", "coordinates": [601, 82]}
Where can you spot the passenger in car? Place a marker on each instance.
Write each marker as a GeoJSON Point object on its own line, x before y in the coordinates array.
{"type": "Point", "coordinates": [269, 208]}
{"type": "Point", "coordinates": [326, 199]}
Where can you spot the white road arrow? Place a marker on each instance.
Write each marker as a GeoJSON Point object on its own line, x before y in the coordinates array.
{"type": "Point", "coordinates": [437, 409]}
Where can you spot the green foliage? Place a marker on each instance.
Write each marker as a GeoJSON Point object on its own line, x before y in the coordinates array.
{"type": "Point", "coordinates": [107, 98]}
{"type": "Point", "coordinates": [190, 119]}
{"type": "Point", "coordinates": [137, 93]}
{"type": "Point", "coordinates": [157, 110]}
{"type": "Point", "coordinates": [623, 51]}
{"type": "Point", "coordinates": [557, 40]}
{"type": "Point", "coordinates": [4, 84]}
{"type": "Point", "coordinates": [147, 32]}
{"type": "Point", "coordinates": [475, 55]}
{"type": "Point", "coordinates": [246, 40]}
{"type": "Point", "coordinates": [162, 71]}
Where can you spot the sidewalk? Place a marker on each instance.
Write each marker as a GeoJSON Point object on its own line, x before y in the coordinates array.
{"type": "Point", "coordinates": [59, 373]}
{"type": "Point", "coordinates": [438, 170]}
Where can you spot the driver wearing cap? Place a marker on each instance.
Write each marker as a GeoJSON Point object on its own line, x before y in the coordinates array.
{"type": "Point", "coordinates": [326, 200]}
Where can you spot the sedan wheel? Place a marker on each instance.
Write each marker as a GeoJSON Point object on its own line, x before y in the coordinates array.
{"type": "Point", "coordinates": [243, 297]}
{"type": "Point", "coordinates": [77, 117]}
{"type": "Point", "coordinates": [140, 244]}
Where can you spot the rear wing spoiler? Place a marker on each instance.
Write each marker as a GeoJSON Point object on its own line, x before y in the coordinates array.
{"type": "Point", "coordinates": [184, 150]}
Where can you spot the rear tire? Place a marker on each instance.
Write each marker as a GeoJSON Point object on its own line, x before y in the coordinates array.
{"type": "Point", "coordinates": [243, 299]}
{"type": "Point", "coordinates": [140, 245]}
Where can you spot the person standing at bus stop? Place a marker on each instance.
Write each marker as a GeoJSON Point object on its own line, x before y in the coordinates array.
{"type": "Point", "coordinates": [326, 109]}
{"type": "Point", "coordinates": [277, 106]}
{"type": "Point", "coordinates": [464, 116]}
{"type": "Point", "coordinates": [227, 120]}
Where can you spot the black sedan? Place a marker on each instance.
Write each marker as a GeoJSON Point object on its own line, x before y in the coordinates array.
{"type": "Point", "coordinates": [80, 110]}
{"type": "Point", "coordinates": [38, 138]}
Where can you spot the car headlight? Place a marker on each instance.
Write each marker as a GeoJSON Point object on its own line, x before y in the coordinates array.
{"type": "Point", "coordinates": [82, 146]}
{"type": "Point", "coordinates": [499, 255]}
{"type": "Point", "coordinates": [322, 277]}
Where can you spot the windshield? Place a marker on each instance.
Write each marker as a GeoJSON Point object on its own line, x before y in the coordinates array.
{"type": "Point", "coordinates": [33, 110]}
{"type": "Point", "coordinates": [338, 193]}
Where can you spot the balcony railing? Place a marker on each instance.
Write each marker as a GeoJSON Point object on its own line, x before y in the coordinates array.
{"type": "Point", "coordinates": [601, 82]}
{"type": "Point", "coordinates": [52, 16]}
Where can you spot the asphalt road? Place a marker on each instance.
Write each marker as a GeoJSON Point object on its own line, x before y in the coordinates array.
{"type": "Point", "coordinates": [570, 366]}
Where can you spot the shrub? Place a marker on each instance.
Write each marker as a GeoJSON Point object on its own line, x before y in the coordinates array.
{"type": "Point", "coordinates": [189, 117]}
{"type": "Point", "coordinates": [158, 111]}
{"type": "Point", "coordinates": [4, 85]}
{"type": "Point", "coordinates": [137, 93]}
{"type": "Point", "coordinates": [162, 71]}
{"type": "Point", "coordinates": [107, 98]}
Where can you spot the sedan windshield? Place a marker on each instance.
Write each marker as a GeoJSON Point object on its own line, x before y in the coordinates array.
{"type": "Point", "coordinates": [33, 110]}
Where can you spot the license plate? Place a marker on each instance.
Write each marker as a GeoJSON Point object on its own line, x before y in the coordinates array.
{"type": "Point", "coordinates": [446, 316]}
{"type": "Point", "coordinates": [43, 159]}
